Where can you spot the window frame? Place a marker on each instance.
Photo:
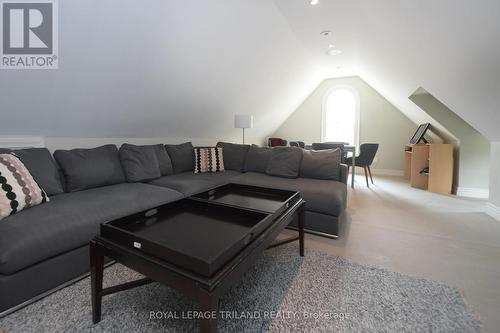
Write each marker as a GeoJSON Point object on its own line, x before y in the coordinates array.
{"type": "Point", "coordinates": [357, 111]}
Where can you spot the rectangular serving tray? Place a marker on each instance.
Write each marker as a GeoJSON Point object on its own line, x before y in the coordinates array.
{"type": "Point", "coordinates": [269, 200]}
{"type": "Point", "coordinates": [192, 234]}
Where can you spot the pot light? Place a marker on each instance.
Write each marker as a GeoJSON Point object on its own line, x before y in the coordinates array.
{"type": "Point", "coordinates": [325, 33]}
{"type": "Point", "coordinates": [313, 2]}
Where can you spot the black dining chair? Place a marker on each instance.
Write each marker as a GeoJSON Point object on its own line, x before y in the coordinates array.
{"type": "Point", "coordinates": [331, 145]}
{"type": "Point", "coordinates": [299, 144]}
{"type": "Point", "coordinates": [365, 158]}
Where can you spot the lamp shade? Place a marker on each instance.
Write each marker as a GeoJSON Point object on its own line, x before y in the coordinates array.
{"type": "Point", "coordinates": [243, 121]}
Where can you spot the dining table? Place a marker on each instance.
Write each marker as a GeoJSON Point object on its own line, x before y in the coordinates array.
{"type": "Point", "coordinates": [352, 149]}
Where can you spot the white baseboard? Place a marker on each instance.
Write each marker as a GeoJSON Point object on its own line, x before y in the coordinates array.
{"type": "Point", "coordinates": [493, 211]}
{"type": "Point", "coordinates": [480, 193]}
{"type": "Point", "coordinates": [382, 172]}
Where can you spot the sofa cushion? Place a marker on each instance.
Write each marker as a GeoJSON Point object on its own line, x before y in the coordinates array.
{"type": "Point", "coordinates": [89, 168]}
{"type": "Point", "coordinates": [284, 162]}
{"type": "Point", "coordinates": [18, 188]}
{"type": "Point", "coordinates": [322, 196]}
{"type": "Point", "coordinates": [234, 155]}
{"type": "Point", "coordinates": [190, 183]}
{"type": "Point", "coordinates": [42, 167]}
{"type": "Point", "coordinates": [140, 163]}
{"type": "Point", "coordinates": [208, 159]}
{"type": "Point", "coordinates": [321, 164]}
{"type": "Point", "coordinates": [257, 159]}
{"type": "Point", "coordinates": [182, 157]}
{"type": "Point", "coordinates": [164, 161]}
{"type": "Point", "coordinates": [70, 220]}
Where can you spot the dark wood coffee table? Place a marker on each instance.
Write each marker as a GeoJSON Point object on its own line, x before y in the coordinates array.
{"type": "Point", "coordinates": [200, 246]}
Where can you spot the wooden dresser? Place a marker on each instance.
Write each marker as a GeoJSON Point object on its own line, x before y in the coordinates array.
{"type": "Point", "coordinates": [438, 158]}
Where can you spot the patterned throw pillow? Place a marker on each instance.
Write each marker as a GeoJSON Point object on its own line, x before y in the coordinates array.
{"type": "Point", "coordinates": [208, 160]}
{"type": "Point", "coordinates": [18, 189]}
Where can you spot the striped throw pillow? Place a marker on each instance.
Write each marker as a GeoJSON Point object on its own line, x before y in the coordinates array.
{"type": "Point", "coordinates": [208, 160]}
{"type": "Point", "coordinates": [18, 189]}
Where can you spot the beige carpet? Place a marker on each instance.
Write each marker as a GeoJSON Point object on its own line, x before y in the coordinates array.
{"type": "Point", "coordinates": [419, 233]}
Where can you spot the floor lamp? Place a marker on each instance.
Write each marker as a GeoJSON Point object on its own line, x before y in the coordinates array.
{"type": "Point", "coordinates": [243, 121]}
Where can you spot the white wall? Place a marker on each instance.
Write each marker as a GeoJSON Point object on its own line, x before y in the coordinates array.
{"type": "Point", "coordinates": [54, 143]}
{"type": "Point", "coordinates": [495, 174]}
{"type": "Point", "coordinates": [159, 68]}
{"type": "Point", "coordinates": [380, 122]}
{"type": "Point", "coordinates": [472, 167]}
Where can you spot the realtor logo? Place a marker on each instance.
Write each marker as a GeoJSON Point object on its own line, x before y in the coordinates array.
{"type": "Point", "coordinates": [29, 37]}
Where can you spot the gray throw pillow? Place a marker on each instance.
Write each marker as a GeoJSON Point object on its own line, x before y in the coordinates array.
{"type": "Point", "coordinates": [284, 162]}
{"type": "Point", "coordinates": [164, 161]}
{"type": "Point", "coordinates": [257, 159]}
{"type": "Point", "coordinates": [182, 157]}
{"type": "Point", "coordinates": [41, 166]}
{"type": "Point", "coordinates": [140, 163]}
{"type": "Point", "coordinates": [234, 155]}
{"type": "Point", "coordinates": [89, 168]}
{"type": "Point", "coordinates": [321, 164]}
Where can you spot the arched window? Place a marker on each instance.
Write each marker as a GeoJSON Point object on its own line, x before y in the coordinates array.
{"type": "Point", "coordinates": [341, 116]}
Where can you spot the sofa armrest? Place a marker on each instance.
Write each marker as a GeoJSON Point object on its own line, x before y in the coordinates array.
{"type": "Point", "coordinates": [343, 173]}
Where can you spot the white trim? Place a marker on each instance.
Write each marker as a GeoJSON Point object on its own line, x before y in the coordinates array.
{"type": "Point", "coordinates": [357, 119]}
{"type": "Point", "coordinates": [382, 172]}
{"type": "Point", "coordinates": [493, 211]}
{"type": "Point", "coordinates": [22, 142]}
{"type": "Point", "coordinates": [469, 192]}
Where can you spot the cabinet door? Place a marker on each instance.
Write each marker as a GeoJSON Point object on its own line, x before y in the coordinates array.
{"type": "Point", "coordinates": [441, 168]}
{"type": "Point", "coordinates": [419, 160]}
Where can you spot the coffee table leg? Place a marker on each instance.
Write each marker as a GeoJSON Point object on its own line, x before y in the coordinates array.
{"type": "Point", "coordinates": [96, 272]}
{"type": "Point", "coordinates": [301, 230]}
{"type": "Point", "coordinates": [209, 306]}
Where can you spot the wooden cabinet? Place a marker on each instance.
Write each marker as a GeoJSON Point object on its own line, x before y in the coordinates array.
{"type": "Point", "coordinates": [438, 158]}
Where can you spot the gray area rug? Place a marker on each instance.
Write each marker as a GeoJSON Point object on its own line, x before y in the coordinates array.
{"type": "Point", "coordinates": [281, 293]}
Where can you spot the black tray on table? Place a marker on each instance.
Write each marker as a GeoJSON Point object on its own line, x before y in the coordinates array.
{"type": "Point", "coordinates": [269, 200]}
{"type": "Point", "coordinates": [196, 235]}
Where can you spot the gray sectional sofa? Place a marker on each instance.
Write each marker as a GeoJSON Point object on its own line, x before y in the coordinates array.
{"type": "Point", "coordinates": [44, 247]}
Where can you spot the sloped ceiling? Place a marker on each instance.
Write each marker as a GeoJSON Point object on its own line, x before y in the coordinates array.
{"type": "Point", "coordinates": [161, 68]}
{"type": "Point", "coordinates": [449, 47]}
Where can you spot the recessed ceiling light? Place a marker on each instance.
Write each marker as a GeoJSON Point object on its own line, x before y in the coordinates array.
{"type": "Point", "coordinates": [313, 2]}
{"type": "Point", "coordinates": [325, 33]}
{"type": "Point", "coordinates": [331, 46]}
{"type": "Point", "coordinates": [333, 52]}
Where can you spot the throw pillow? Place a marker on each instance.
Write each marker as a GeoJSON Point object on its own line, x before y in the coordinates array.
{"type": "Point", "coordinates": [321, 164]}
{"type": "Point", "coordinates": [89, 168]}
{"type": "Point", "coordinates": [164, 161]}
{"type": "Point", "coordinates": [208, 160]}
{"type": "Point", "coordinates": [140, 163]}
{"type": "Point", "coordinates": [41, 166]}
{"type": "Point", "coordinates": [182, 157]}
{"type": "Point", "coordinates": [18, 188]}
{"type": "Point", "coordinates": [284, 162]}
{"type": "Point", "coordinates": [234, 155]}
{"type": "Point", "coordinates": [257, 159]}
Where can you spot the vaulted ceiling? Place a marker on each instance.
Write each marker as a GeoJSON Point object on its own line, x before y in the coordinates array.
{"type": "Point", "coordinates": [183, 68]}
{"type": "Point", "coordinates": [449, 47]}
